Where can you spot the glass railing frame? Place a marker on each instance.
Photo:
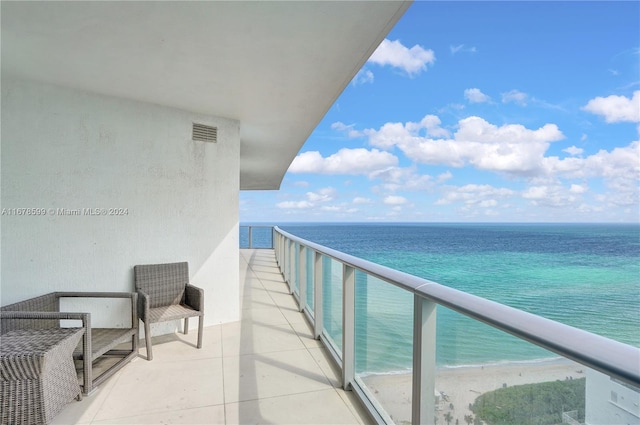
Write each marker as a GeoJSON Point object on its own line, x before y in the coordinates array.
{"type": "Point", "coordinates": [613, 358]}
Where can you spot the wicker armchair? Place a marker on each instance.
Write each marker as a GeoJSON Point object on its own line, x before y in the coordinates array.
{"type": "Point", "coordinates": [164, 294]}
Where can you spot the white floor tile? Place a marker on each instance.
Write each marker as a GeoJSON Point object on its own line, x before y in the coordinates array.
{"type": "Point", "coordinates": [211, 415]}
{"type": "Point", "coordinates": [155, 387]}
{"type": "Point", "coordinates": [271, 374]}
{"type": "Point", "coordinates": [317, 407]}
{"type": "Point", "coordinates": [240, 338]}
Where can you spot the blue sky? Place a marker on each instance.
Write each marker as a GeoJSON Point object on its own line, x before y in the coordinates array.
{"type": "Point", "coordinates": [479, 112]}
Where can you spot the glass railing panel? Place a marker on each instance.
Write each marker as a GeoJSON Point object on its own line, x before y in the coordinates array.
{"type": "Point", "coordinates": [244, 237]}
{"type": "Point", "coordinates": [258, 237]}
{"type": "Point", "coordinates": [384, 344]}
{"type": "Point", "coordinates": [487, 375]}
{"type": "Point", "coordinates": [261, 237]}
{"type": "Point", "coordinates": [332, 301]}
{"type": "Point", "coordinates": [295, 275]}
{"type": "Point", "coordinates": [310, 255]}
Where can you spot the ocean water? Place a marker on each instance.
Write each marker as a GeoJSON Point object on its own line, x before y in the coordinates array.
{"type": "Point", "coordinates": [583, 275]}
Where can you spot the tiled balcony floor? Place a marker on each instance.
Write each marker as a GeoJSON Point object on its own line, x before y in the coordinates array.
{"type": "Point", "coordinates": [266, 369]}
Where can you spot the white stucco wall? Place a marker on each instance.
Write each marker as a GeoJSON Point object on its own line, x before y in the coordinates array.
{"type": "Point", "coordinates": [66, 149]}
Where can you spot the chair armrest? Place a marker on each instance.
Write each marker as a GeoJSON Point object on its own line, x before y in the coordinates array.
{"type": "Point", "coordinates": [143, 305]}
{"type": "Point", "coordinates": [95, 294]}
{"type": "Point", "coordinates": [47, 315]}
{"type": "Point", "coordinates": [194, 297]}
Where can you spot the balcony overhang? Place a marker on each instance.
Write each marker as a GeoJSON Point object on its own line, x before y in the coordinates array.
{"type": "Point", "coordinates": [277, 67]}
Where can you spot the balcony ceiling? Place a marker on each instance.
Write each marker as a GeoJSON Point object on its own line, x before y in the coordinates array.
{"type": "Point", "coordinates": [277, 67]}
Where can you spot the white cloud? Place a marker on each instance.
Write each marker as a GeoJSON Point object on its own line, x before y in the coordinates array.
{"type": "Point", "coordinates": [326, 194]}
{"type": "Point", "coordinates": [345, 161]}
{"type": "Point", "coordinates": [360, 200]}
{"type": "Point", "coordinates": [616, 108]}
{"type": "Point", "coordinates": [516, 97]}
{"type": "Point", "coordinates": [511, 148]}
{"type": "Point", "coordinates": [294, 204]}
{"type": "Point", "coordinates": [349, 129]}
{"type": "Point", "coordinates": [362, 77]}
{"type": "Point", "coordinates": [444, 176]}
{"type": "Point", "coordinates": [456, 49]}
{"type": "Point", "coordinates": [476, 96]}
{"type": "Point", "coordinates": [323, 195]}
{"type": "Point", "coordinates": [391, 134]}
{"type": "Point", "coordinates": [413, 61]}
{"type": "Point", "coordinates": [395, 200]}
{"type": "Point", "coordinates": [461, 48]}
{"type": "Point", "coordinates": [577, 188]}
{"type": "Point", "coordinates": [473, 194]}
{"type": "Point", "coordinates": [402, 178]}
{"type": "Point", "coordinates": [555, 196]}
{"type": "Point", "coordinates": [340, 126]}
{"type": "Point", "coordinates": [619, 168]}
{"type": "Point", "coordinates": [331, 208]}
{"type": "Point", "coordinates": [574, 151]}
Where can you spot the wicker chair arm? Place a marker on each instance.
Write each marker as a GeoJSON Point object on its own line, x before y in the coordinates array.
{"type": "Point", "coordinates": [194, 297]}
{"type": "Point", "coordinates": [48, 315]}
{"type": "Point", "coordinates": [95, 294]}
{"type": "Point", "coordinates": [143, 305]}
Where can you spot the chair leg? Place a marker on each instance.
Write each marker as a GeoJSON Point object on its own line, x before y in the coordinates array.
{"type": "Point", "coordinates": [147, 338]}
{"type": "Point", "coordinates": [200, 325]}
{"type": "Point", "coordinates": [186, 325]}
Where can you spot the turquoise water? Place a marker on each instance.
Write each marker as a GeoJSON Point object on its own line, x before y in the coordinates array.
{"type": "Point", "coordinates": [587, 276]}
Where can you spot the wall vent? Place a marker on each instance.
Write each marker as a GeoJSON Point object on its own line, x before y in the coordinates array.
{"type": "Point", "coordinates": [204, 133]}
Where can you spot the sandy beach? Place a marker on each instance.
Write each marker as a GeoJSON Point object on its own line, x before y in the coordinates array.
{"type": "Point", "coordinates": [460, 386]}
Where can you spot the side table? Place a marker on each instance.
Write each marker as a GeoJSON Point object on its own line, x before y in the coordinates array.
{"type": "Point", "coordinates": [37, 374]}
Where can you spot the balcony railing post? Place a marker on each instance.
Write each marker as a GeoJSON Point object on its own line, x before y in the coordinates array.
{"type": "Point", "coordinates": [424, 361]}
{"type": "Point", "coordinates": [250, 237]}
{"type": "Point", "coordinates": [302, 277]}
{"type": "Point", "coordinates": [317, 293]}
{"type": "Point", "coordinates": [348, 325]}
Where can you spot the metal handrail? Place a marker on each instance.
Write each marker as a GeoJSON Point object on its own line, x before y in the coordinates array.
{"type": "Point", "coordinates": [608, 356]}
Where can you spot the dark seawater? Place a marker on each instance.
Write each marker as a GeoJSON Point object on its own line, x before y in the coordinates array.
{"type": "Point", "coordinates": [583, 275]}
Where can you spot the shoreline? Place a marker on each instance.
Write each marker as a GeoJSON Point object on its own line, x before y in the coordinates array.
{"type": "Point", "coordinates": [458, 386]}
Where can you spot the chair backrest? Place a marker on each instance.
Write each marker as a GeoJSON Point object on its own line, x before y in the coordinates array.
{"type": "Point", "coordinates": [45, 303]}
{"type": "Point", "coordinates": [164, 283]}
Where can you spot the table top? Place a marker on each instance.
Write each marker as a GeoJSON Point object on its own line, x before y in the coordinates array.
{"type": "Point", "coordinates": [34, 341]}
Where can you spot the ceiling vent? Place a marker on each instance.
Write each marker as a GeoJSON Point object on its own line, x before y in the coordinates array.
{"type": "Point", "coordinates": [204, 133]}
